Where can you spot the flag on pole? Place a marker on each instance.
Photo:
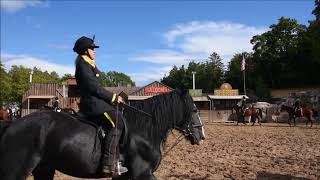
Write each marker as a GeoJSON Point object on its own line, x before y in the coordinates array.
{"type": "Point", "coordinates": [243, 64]}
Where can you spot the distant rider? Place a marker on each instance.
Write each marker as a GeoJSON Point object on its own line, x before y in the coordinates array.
{"type": "Point", "coordinates": [242, 103]}
{"type": "Point", "coordinates": [296, 107]}
{"type": "Point", "coordinates": [55, 105]}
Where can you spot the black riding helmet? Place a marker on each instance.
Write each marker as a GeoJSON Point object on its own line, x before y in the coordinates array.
{"type": "Point", "coordinates": [82, 44]}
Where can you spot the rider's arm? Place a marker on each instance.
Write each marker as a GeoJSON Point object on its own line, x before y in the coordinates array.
{"type": "Point", "coordinates": [94, 87]}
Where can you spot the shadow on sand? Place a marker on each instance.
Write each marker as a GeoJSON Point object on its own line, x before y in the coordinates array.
{"type": "Point", "coordinates": [188, 177]}
{"type": "Point", "coordinates": [262, 175]}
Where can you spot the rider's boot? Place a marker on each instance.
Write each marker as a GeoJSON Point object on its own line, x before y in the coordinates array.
{"type": "Point", "coordinates": [110, 164]}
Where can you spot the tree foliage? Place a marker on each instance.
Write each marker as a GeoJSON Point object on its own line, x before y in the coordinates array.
{"type": "Point", "coordinates": [5, 86]}
{"type": "Point", "coordinates": [15, 82]}
{"type": "Point", "coordinates": [209, 74]}
{"type": "Point", "coordinates": [114, 78]}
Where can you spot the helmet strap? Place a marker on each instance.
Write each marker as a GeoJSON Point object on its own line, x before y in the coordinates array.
{"type": "Point", "coordinates": [88, 54]}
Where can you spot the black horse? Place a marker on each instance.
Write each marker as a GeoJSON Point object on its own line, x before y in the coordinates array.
{"type": "Point", "coordinates": [239, 113]}
{"type": "Point", "coordinates": [45, 141]}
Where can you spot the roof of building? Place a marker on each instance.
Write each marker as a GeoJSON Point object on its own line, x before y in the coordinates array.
{"type": "Point", "coordinates": [72, 81]}
{"type": "Point", "coordinates": [225, 86]}
{"type": "Point", "coordinates": [118, 90]}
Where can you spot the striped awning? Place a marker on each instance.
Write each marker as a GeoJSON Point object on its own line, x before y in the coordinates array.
{"type": "Point", "coordinates": [200, 98]}
{"type": "Point", "coordinates": [138, 97]}
{"type": "Point", "coordinates": [227, 97]}
{"type": "Point", "coordinates": [40, 97]}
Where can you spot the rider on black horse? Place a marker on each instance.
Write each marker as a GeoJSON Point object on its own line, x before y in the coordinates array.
{"type": "Point", "coordinates": [241, 104]}
{"type": "Point", "coordinates": [98, 103]}
{"type": "Point", "coordinates": [296, 107]}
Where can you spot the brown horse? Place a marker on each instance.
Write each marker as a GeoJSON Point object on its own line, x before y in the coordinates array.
{"type": "Point", "coordinates": [253, 114]}
{"type": "Point", "coordinates": [301, 112]}
{"type": "Point", "coordinates": [4, 115]}
{"type": "Point", "coordinates": [248, 114]}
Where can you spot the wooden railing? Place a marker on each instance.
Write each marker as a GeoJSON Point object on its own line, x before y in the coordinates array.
{"type": "Point", "coordinates": [70, 102]}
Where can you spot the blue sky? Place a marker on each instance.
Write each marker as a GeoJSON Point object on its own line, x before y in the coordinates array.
{"type": "Point", "coordinates": [142, 39]}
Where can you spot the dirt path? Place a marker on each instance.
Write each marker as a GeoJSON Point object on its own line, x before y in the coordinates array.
{"type": "Point", "coordinates": [244, 152]}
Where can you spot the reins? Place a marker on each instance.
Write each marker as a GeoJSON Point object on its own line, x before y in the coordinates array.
{"type": "Point", "coordinates": [179, 139]}
{"type": "Point", "coordinates": [137, 110]}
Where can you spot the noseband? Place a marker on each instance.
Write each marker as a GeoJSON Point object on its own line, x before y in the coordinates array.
{"type": "Point", "coordinates": [185, 133]}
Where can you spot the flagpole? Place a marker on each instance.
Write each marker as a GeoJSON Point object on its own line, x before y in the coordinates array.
{"type": "Point", "coordinates": [243, 64]}
{"type": "Point", "coordinates": [244, 81]}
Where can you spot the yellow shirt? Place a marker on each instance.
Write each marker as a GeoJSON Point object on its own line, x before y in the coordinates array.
{"type": "Point", "coordinates": [89, 60]}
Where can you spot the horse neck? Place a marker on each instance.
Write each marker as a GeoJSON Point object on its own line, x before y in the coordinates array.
{"type": "Point", "coordinates": [163, 109]}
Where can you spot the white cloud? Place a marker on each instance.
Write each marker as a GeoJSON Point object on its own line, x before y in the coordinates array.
{"type": "Point", "coordinates": [197, 40]}
{"type": "Point", "coordinates": [27, 61]}
{"type": "Point", "coordinates": [167, 57]}
{"type": "Point", "coordinates": [15, 5]}
{"type": "Point", "coordinates": [149, 75]}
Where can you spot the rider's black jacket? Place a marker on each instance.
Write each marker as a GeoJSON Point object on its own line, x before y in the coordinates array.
{"type": "Point", "coordinates": [94, 99]}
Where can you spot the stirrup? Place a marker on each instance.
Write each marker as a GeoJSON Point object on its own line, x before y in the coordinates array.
{"type": "Point", "coordinates": [121, 169]}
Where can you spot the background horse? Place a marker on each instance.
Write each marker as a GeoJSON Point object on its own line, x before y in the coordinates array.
{"type": "Point", "coordinates": [45, 141]}
{"type": "Point", "coordinates": [249, 114]}
{"type": "Point", "coordinates": [4, 115]}
{"type": "Point", "coordinates": [253, 114]}
{"type": "Point", "coordinates": [239, 113]}
{"type": "Point", "coordinates": [301, 112]}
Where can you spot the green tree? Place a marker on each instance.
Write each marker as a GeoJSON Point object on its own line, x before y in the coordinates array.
{"type": "Point", "coordinates": [209, 74]}
{"type": "Point", "coordinates": [275, 52]}
{"type": "Point", "coordinates": [65, 77]}
{"type": "Point", "coordinates": [44, 77]}
{"type": "Point", "coordinates": [5, 87]}
{"type": "Point", "coordinates": [316, 10]}
{"type": "Point", "coordinates": [19, 82]}
{"type": "Point", "coordinates": [113, 78]}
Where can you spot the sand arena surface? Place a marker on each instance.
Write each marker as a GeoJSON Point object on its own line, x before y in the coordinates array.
{"type": "Point", "coordinates": [243, 152]}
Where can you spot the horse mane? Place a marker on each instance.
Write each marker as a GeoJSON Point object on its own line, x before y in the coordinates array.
{"type": "Point", "coordinates": [167, 111]}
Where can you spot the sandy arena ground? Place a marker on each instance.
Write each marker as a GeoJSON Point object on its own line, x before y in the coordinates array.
{"type": "Point", "coordinates": [270, 151]}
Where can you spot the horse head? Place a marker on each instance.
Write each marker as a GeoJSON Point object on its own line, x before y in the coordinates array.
{"type": "Point", "coordinates": [190, 125]}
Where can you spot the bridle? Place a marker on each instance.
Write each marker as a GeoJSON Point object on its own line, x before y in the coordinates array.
{"type": "Point", "coordinates": [185, 133]}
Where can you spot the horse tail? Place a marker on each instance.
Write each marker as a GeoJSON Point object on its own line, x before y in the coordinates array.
{"type": "Point", "coordinates": [3, 126]}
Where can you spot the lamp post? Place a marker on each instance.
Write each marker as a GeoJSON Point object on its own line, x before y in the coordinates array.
{"type": "Point", "coordinates": [193, 80]}
{"type": "Point", "coordinates": [30, 81]}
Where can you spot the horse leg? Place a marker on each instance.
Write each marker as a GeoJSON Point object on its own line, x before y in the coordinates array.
{"type": "Point", "coordinates": [42, 172]}
{"type": "Point", "coordinates": [253, 121]}
{"type": "Point", "coordinates": [148, 175]}
{"type": "Point", "coordinates": [17, 167]}
{"type": "Point", "coordinates": [289, 121]}
{"type": "Point", "coordinates": [310, 119]}
{"type": "Point", "coordinates": [124, 176]}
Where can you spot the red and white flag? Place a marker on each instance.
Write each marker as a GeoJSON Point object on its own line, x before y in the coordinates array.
{"type": "Point", "coordinates": [243, 64]}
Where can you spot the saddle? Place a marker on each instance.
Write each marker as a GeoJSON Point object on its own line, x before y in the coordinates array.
{"type": "Point", "coordinates": [92, 121]}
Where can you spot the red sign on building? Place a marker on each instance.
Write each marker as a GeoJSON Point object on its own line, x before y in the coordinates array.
{"type": "Point", "coordinates": [155, 90]}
